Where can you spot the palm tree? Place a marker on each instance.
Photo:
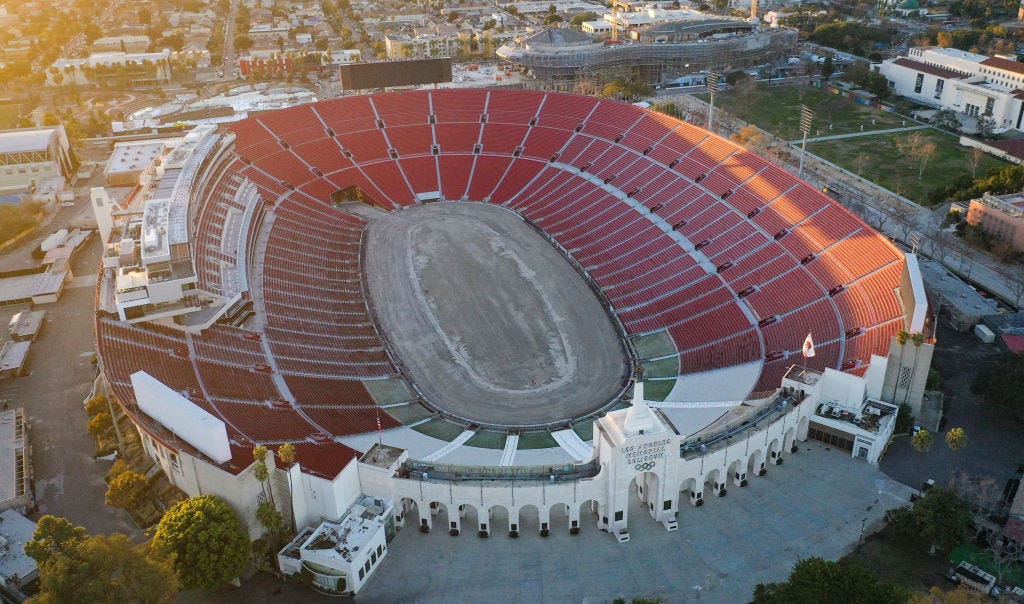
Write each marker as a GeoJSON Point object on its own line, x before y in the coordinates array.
{"type": "Point", "coordinates": [922, 441]}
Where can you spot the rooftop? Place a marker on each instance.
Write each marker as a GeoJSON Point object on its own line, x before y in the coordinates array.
{"type": "Point", "coordinates": [26, 323]}
{"type": "Point", "coordinates": [343, 540]}
{"type": "Point", "coordinates": [382, 456]}
{"type": "Point", "coordinates": [15, 532]}
{"type": "Point", "coordinates": [954, 291]}
{"type": "Point", "coordinates": [24, 287]}
{"type": "Point", "coordinates": [26, 139]}
{"type": "Point", "coordinates": [1004, 64]}
{"type": "Point", "coordinates": [934, 70]}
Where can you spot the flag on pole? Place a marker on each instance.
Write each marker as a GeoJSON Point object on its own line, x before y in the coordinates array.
{"type": "Point", "coordinates": [808, 347]}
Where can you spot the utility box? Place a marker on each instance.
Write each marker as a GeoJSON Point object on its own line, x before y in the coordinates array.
{"type": "Point", "coordinates": [984, 333]}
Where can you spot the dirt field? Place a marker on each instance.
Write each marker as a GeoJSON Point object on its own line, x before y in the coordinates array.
{"type": "Point", "coordinates": [489, 320]}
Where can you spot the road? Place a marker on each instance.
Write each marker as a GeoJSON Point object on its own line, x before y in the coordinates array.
{"type": "Point", "coordinates": [68, 479]}
{"type": "Point", "coordinates": [229, 61]}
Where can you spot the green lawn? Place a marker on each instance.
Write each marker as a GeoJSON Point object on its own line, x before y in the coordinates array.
{"type": "Point", "coordinates": [388, 391]}
{"type": "Point", "coordinates": [409, 414]}
{"type": "Point", "coordinates": [657, 390]}
{"type": "Point", "coordinates": [584, 429]}
{"type": "Point", "coordinates": [654, 345]}
{"type": "Point", "coordinates": [895, 560]}
{"type": "Point", "coordinates": [486, 439]}
{"type": "Point", "coordinates": [667, 367]}
{"type": "Point", "coordinates": [536, 440]}
{"type": "Point", "coordinates": [777, 110]}
{"type": "Point", "coordinates": [438, 428]}
{"type": "Point", "coordinates": [887, 166]}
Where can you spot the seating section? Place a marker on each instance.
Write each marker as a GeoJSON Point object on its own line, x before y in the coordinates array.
{"type": "Point", "coordinates": [681, 230]}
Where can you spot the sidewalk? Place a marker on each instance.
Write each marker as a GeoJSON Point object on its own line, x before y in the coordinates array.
{"type": "Point", "coordinates": [861, 133]}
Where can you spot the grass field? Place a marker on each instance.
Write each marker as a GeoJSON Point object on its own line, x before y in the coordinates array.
{"type": "Point", "coordinates": [667, 367]}
{"type": "Point", "coordinates": [438, 428]}
{"type": "Point", "coordinates": [887, 166]}
{"type": "Point", "coordinates": [536, 440]}
{"type": "Point", "coordinates": [898, 561]}
{"type": "Point", "coordinates": [654, 345]}
{"type": "Point", "coordinates": [486, 439]}
{"type": "Point", "coordinates": [584, 429]}
{"type": "Point", "coordinates": [777, 110]}
{"type": "Point", "coordinates": [657, 390]}
{"type": "Point", "coordinates": [409, 414]}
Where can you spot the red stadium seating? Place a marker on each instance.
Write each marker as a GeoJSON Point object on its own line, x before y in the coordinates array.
{"type": "Point", "coordinates": [682, 231]}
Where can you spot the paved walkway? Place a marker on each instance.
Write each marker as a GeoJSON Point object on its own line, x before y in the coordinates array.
{"type": "Point", "coordinates": [812, 505]}
{"type": "Point", "coordinates": [861, 133]}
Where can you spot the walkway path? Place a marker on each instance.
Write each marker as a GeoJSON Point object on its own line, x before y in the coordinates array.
{"type": "Point", "coordinates": [455, 444]}
{"type": "Point", "coordinates": [861, 133]}
{"type": "Point", "coordinates": [571, 442]}
{"type": "Point", "coordinates": [509, 454]}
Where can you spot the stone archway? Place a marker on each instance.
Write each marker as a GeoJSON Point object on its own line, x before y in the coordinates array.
{"type": "Point", "coordinates": [789, 441]}
{"type": "Point", "coordinates": [775, 452]}
{"type": "Point", "coordinates": [590, 515]}
{"type": "Point", "coordinates": [471, 520]}
{"type": "Point", "coordinates": [527, 518]}
{"type": "Point", "coordinates": [737, 472]}
{"type": "Point", "coordinates": [690, 491]}
{"type": "Point", "coordinates": [499, 520]}
{"type": "Point", "coordinates": [714, 483]}
{"type": "Point", "coordinates": [755, 464]}
{"type": "Point", "coordinates": [441, 517]}
{"type": "Point", "coordinates": [409, 512]}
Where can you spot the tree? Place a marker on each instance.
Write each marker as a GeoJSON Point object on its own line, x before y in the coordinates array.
{"type": "Point", "coordinates": [556, 18]}
{"type": "Point", "coordinates": [922, 441]}
{"type": "Point", "coordinates": [946, 119]}
{"type": "Point", "coordinates": [919, 148]}
{"type": "Point", "coordinates": [207, 541]}
{"type": "Point", "coordinates": [985, 126]}
{"type": "Point", "coordinates": [287, 453]}
{"type": "Point", "coordinates": [1000, 385]}
{"type": "Point", "coordinates": [956, 439]}
{"type": "Point", "coordinates": [243, 43]}
{"type": "Point", "coordinates": [751, 137]}
{"type": "Point", "coordinates": [861, 161]}
{"type": "Point", "coordinates": [126, 489]}
{"type": "Point", "coordinates": [940, 519]}
{"type": "Point", "coordinates": [828, 68]}
{"type": "Point", "coordinates": [974, 160]}
{"type": "Point", "coordinates": [100, 424]}
{"type": "Point", "coordinates": [53, 535]}
{"type": "Point", "coordinates": [105, 569]}
{"type": "Point", "coordinates": [818, 580]}
{"type": "Point", "coordinates": [579, 18]}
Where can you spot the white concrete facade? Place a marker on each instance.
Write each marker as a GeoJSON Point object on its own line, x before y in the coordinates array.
{"type": "Point", "coordinates": [969, 83]}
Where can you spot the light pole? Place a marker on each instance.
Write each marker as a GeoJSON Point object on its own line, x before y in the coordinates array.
{"type": "Point", "coordinates": [806, 115]}
{"type": "Point", "coordinates": [713, 91]}
{"type": "Point", "coordinates": [861, 539]}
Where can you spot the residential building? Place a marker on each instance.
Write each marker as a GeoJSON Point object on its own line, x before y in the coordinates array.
{"type": "Point", "coordinates": [1001, 216]}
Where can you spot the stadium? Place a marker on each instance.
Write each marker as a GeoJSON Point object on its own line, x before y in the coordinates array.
{"type": "Point", "coordinates": [446, 301]}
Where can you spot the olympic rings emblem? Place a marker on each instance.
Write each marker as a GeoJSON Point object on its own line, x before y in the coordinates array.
{"type": "Point", "coordinates": [643, 467]}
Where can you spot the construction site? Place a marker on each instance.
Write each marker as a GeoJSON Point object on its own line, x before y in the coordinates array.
{"type": "Point", "coordinates": [649, 44]}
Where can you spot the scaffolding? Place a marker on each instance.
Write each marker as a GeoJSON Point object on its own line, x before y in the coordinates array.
{"type": "Point", "coordinates": [598, 63]}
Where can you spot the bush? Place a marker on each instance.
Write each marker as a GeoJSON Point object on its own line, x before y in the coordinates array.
{"type": "Point", "coordinates": [126, 490]}
{"type": "Point", "coordinates": [100, 424]}
{"type": "Point", "coordinates": [120, 467]}
{"type": "Point", "coordinates": [95, 405]}
{"type": "Point", "coordinates": [905, 420]}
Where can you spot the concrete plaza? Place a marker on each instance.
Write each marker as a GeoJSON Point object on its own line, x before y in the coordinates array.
{"type": "Point", "coordinates": [813, 505]}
